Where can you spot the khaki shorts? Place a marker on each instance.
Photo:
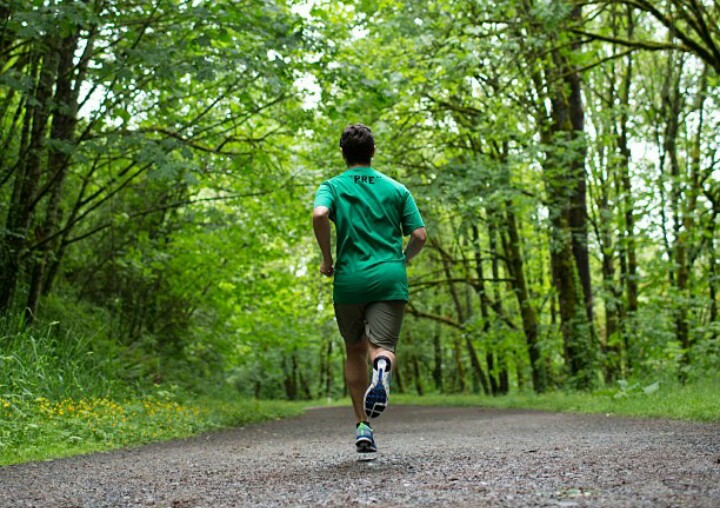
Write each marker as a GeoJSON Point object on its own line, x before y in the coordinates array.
{"type": "Point", "coordinates": [379, 321]}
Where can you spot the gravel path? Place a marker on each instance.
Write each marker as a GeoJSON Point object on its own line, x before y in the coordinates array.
{"type": "Point", "coordinates": [429, 456]}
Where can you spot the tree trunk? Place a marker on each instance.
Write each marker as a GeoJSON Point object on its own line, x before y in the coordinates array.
{"type": "Point", "coordinates": [27, 177]}
{"type": "Point", "coordinates": [484, 309]}
{"type": "Point", "coordinates": [610, 178]}
{"type": "Point", "coordinates": [289, 381]}
{"type": "Point", "coordinates": [329, 370]}
{"type": "Point", "coordinates": [560, 123]}
{"type": "Point", "coordinates": [63, 135]}
{"type": "Point", "coordinates": [478, 376]}
{"type": "Point", "coordinates": [503, 374]}
{"type": "Point", "coordinates": [415, 365]}
{"type": "Point", "coordinates": [712, 288]}
{"type": "Point", "coordinates": [685, 237]}
{"type": "Point", "coordinates": [566, 187]}
{"type": "Point", "coordinates": [515, 267]}
{"type": "Point", "coordinates": [672, 105]}
{"type": "Point", "coordinates": [438, 355]}
{"type": "Point", "coordinates": [628, 256]}
{"type": "Point", "coordinates": [397, 378]}
{"type": "Point", "coordinates": [459, 368]}
{"type": "Point", "coordinates": [7, 36]}
{"type": "Point", "coordinates": [504, 381]}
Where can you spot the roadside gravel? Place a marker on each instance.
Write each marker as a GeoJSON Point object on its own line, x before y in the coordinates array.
{"type": "Point", "coordinates": [429, 456]}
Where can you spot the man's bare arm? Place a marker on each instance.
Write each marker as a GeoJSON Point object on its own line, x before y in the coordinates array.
{"type": "Point", "coordinates": [417, 241]}
{"type": "Point", "coordinates": [321, 227]}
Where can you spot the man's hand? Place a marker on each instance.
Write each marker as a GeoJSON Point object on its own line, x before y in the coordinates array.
{"type": "Point", "coordinates": [327, 268]}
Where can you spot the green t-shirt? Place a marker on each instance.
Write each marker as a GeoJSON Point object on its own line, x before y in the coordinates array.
{"type": "Point", "coordinates": [371, 212]}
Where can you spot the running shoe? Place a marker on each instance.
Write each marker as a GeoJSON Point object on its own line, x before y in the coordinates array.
{"type": "Point", "coordinates": [364, 442]}
{"type": "Point", "coordinates": [376, 396]}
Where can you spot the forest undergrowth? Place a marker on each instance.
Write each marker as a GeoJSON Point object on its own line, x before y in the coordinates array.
{"type": "Point", "coordinates": [63, 393]}
{"type": "Point", "coordinates": [697, 401]}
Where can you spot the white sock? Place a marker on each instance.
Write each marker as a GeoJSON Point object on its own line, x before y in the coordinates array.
{"type": "Point", "coordinates": [382, 364]}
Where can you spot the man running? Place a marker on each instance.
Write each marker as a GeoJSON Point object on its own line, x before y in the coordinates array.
{"type": "Point", "coordinates": [372, 213]}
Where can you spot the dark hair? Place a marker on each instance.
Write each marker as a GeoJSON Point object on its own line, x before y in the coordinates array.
{"type": "Point", "coordinates": [358, 144]}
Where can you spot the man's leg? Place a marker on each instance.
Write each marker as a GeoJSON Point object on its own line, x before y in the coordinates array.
{"type": "Point", "coordinates": [384, 320]}
{"type": "Point", "coordinates": [356, 371]}
{"type": "Point", "coordinates": [356, 375]}
{"type": "Point", "coordinates": [351, 322]}
{"type": "Point", "coordinates": [376, 351]}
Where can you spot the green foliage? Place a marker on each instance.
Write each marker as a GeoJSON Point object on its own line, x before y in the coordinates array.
{"type": "Point", "coordinates": [155, 199]}
{"type": "Point", "coordinates": [53, 362]}
{"type": "Point", "coordinates": [41, 429]}
{"type": "Point", "coordinates": [63, 394]}
{"type": "Point", "coordinates": [697, 401]}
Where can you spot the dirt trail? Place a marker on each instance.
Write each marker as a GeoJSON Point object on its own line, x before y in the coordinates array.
{"type": "Point", "coordinates": [429, 456]}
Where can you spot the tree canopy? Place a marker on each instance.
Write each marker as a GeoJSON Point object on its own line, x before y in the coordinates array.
{"type": "Point", "coordinates": [159, 161]}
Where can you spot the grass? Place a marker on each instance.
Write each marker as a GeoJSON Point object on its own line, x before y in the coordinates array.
{"type": "Point", "coordinates": [49, 363]}
{"type": "Point", "coordinates": [697, 401]}
{"type": "Point", "coordinates": [43, 429]}
{"type": "Point", "coordinates": [62, 393]}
